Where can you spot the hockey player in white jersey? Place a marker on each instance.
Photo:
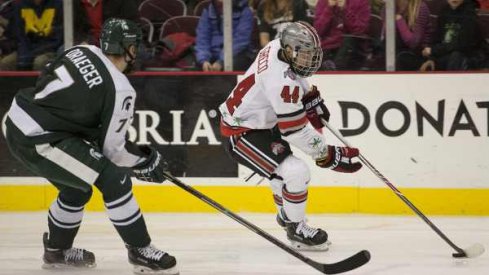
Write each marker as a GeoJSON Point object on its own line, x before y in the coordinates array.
{"type": "Point", "coordinates": [267, 110]}
{"type": "Point", "coordinates": [71, 129]}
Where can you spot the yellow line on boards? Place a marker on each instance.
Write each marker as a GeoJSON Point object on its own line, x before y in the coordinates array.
{"type": "Point", "coordinates": [322, 199]}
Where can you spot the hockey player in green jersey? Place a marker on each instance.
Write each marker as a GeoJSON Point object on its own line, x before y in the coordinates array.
{"type": "Point", "coordinates": [71, 129]}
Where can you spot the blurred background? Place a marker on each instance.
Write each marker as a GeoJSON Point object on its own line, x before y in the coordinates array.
{"type": "Point", "coordinates": [190, 35]}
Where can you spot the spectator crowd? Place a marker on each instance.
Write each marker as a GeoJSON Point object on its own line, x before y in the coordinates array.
{"type": "Point", "coordinates": [188, 34]}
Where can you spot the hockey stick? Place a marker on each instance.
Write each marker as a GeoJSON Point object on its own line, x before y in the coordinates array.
{"type": "Point", "coordinates": [347, 264]}
{"type": "Point", "coordinates": [472, 251]}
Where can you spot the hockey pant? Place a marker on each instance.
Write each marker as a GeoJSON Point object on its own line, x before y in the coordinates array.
{"type": "Point", "coordinates": [73, 166]}
{"type": "Point", "coordinates": [266, 153]}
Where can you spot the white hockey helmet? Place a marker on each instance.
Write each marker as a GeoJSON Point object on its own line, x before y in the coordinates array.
{"type": "Point", "coordinates": [304, 42]}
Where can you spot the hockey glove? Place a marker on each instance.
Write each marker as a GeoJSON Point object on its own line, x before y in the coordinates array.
{"type": "Point", "coordinates": [152, 168]}
{"type": "Point", "coordinates": [339, 159]}
{"type": "Point", "coordinates": [315, 108]}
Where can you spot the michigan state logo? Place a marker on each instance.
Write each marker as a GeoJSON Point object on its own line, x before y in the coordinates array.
{"type": "Point", "coordinates": [126, 103]}
{"type": "Point", "coordinates": [96, 155]}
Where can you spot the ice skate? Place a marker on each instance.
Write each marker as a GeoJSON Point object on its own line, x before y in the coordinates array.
{"type": "Point", "coordinates": [304, 237]}
{"type": "Point", "coordinates": [281, 222]}
{"type": "Point", "coordinates": [151, 260]}
{"type": "Point", "coordinates": [66, 258]}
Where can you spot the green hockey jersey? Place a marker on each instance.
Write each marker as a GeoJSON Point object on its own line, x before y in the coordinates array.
{"type": "Point", "coordinates": [80, 94]}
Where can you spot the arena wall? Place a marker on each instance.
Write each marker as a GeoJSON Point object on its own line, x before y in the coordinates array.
{"type": "Point", "coordinates": [427, 133]}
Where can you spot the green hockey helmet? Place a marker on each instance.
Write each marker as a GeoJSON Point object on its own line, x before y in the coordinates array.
{"type": "Point", "coordinates": [118, 34]}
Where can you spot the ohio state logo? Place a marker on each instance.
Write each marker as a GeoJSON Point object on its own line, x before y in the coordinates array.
{"type": "Point", "coordinates": [277, 148]}
{"type": "Point", "coordinates": [290, 74]}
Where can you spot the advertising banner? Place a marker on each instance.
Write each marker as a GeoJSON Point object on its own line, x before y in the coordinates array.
{"type": "Point", "coordinates": [177, 114]}
{"type": "Point", "coordinates": [420, 130]}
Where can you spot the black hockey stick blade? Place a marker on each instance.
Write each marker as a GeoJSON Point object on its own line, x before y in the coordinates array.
{"type": "Point", "coordinates": [472, 251]}
{"type": "Point", "coordinates": [348, 264]}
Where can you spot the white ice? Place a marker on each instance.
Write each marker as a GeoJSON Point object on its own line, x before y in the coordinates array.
{"type": "Point", "coordinates": [215, 244]}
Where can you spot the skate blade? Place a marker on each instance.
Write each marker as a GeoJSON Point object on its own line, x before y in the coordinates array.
{"type": "Point", "coordinates": [304, 247]}
{"type": "Point", "coordinates": [67, 267]}
{"type": "Point", "coordinates": [142, 270]}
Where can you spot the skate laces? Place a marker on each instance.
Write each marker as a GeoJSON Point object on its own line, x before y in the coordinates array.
{"type": "Point", "coordinates": [73, 254]}
{"type": "Point", "coordinates": [151, 252]}
{"type": "Point", "coordinates": [306, 230]}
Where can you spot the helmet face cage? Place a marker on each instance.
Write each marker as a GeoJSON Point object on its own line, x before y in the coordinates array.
{"type": "Point", "coordinates": [307, 62]}
{"type": "Point", "coordinates": [307, 54]}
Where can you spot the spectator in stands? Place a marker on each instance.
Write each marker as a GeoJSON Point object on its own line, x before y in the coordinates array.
{"type": "Point", "coordinates": [457, 40]}
{"type": "Point", "coordinates": [484, 5]}
{"type": "Point", "coordinates": [342, 26]}
{"type": "Point", "coordinates": [376, 6]}
{"type": "Point", "coordinates": [209, 48]}
{"type": "Point", "coordinates": [274, 15]}
{"type": "Point", "coordinates": [413, 33]}
{"type": "Point", "coordinates": [254, 5]}
{"type": "Point", "coordinates": [89, 15]}
{"type": "Point", "coordinates": [311, 9]}
{"type": "Point", "coordinates": [39, 32]}
{"type": "Point", "coordinates": [8, 45]}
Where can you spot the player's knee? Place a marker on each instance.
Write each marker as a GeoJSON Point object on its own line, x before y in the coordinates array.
{"type": "Point", "coordinates": [75, 197]}
{"type": "Point", "coordinates": [295, 174]}
{"type": "Point", "coordinates": [277, 184]}
{"type": "Point", "coordinates": [86, 196]}
{"type": "Point", "coordinates": [114, 182]}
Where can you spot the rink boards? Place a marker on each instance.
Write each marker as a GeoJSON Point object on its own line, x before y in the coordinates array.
{"type": "Point", "coordinates": [322, 199]}
{"type": "Point", "coordinates": [427, 133]}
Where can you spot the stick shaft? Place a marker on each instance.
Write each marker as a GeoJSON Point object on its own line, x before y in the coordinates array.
{"type": "Point", "coordinates": [396, 191]}
{"type": "Point", "coordinates": [242, 221]}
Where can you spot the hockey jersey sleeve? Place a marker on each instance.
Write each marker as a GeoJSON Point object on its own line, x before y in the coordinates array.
{"type": "Point", "coordinates": [116, 119]}
{"type": "Point", "coordinates": [309, 141]}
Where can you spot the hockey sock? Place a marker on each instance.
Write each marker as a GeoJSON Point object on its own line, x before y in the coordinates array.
{"type": "Point", "coordinates": [122, 208]}
{"type": "Point", "coordinates": [295, 175]}
{"type": "Point", "coordinates": [294, 204]}
{"type": "Point", "coordinates": [128, 220]}
{"type": "Point", "coordinates": [277, 184]}
{"type": "Point", "coordinates": [64, 220]}
{"type": "Point", "coordinates": [278, 203]}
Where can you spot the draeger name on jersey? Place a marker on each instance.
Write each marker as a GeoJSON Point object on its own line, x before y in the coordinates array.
{"type": "Point", "coordinates": [86, 68]}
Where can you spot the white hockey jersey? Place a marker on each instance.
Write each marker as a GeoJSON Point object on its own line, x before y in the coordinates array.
{"type": "Point", "coordinates": [270, 95]}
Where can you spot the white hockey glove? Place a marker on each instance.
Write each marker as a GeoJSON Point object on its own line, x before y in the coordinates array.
{"type": "Point", "coordinates": [152, 168]}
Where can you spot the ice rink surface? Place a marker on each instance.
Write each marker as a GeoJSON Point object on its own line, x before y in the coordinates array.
{"type": "Point", "coordinates": [215, 244]}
